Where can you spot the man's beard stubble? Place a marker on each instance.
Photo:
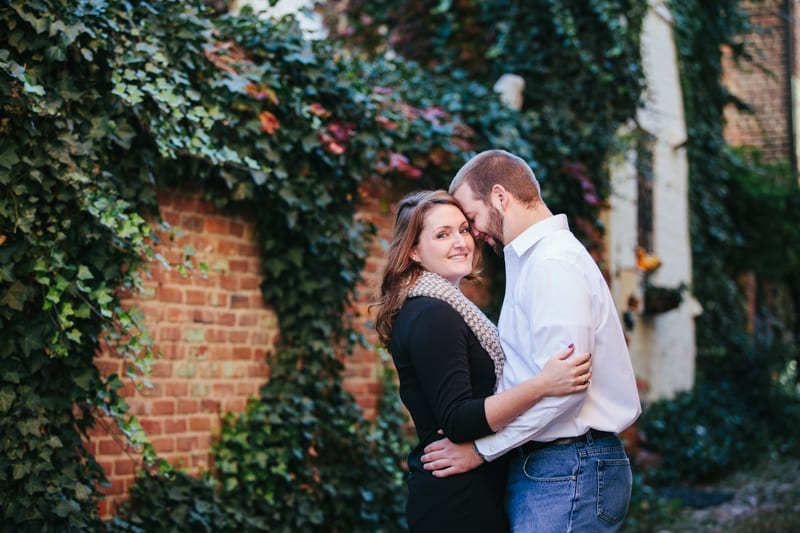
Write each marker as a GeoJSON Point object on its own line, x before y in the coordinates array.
{"type": "Point", "coordinates": [495, 230]}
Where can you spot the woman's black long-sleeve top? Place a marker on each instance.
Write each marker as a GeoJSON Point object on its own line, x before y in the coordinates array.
{"type": "Point", "coordinates": [445, 376]}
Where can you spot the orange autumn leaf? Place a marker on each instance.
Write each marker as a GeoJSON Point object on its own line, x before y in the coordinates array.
{"type": "Point", "coordinates": [262, 92]}
{"type": "Point", "coordinates": [319, 110]}
{"type": "Point", "coordinates": [269, 122]}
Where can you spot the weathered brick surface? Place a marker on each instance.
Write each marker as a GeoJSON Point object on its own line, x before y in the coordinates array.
{"type": "Point", "coordinates": [215, 334]}
{"type": "Point", "coordinates": [764, 87]}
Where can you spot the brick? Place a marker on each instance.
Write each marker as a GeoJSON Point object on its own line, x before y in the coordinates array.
{"type": "Point", "coordinates": [240, 301]}
{"type": "Point", "coordinates": [163, 444]}
{"type": "Point", "coordinates": [226, 318]}
{"type": "Point", "coordinates": [186, 370]}
{"type": "Point", "coordinates": [195, 334]}
{"type": "Point", "coordinates": [163, 407]}
{"type": "Point", "coordinates": [236, 229]}
{"type": "Point", "coordinates": [217, 225]}
{"type": "Point", "coordinates": [209, 371]}
{"type": "Point", "coordinates": [108, 447]}
{"type": "Point", "coordinates": [223, 390]}
{"type": "Point", "coordinates": [186, 444]}
{"type": "Point", "coordinates": [170, 294]}
{"type": "Point", "coordinates": [123, 467]}
{"type": "Point", "coordinates": [246, 319]}
{"type": "Point", "coordinates": [169, 333]}
{"type": "Point", "coordinates": [250, 283]}
{"type": "Point", "coordinates": [183, 203]}
{"type": "Point", "coordinates": [203, 316]}
{"type": "Point", "coordinates": [209, 406]}
{"type": "Point", "coordinates": [239, 265]}
{"type": "Point", "coordinates": [242, 353]}
{"type": "Point", "coordinates": [197, 352]}
{"type": "Point", "coordinates": [218, 299]}
{"type": "Point", "coordinates": [150, 426]}
{"type": "Point", "coordinates": [200, 424]}
{"type": "Point", "coordinates": [196, 297]}
{"type": "Point", "coordinates": [192, 222]}
{"type": "Point", "coordinates": [239, 336]}
{"type": "Point", "coordinates": [161, 369]}
{"type": "Point", "coordinates": [177, 389]}
{"type": "Point", "coordinates": [186, 406]}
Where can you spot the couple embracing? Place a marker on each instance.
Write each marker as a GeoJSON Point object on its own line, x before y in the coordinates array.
{"type": "Point", "coordinates": [518, 427]}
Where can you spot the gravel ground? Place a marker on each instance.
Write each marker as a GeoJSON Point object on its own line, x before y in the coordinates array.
{"type": "Point", "coordinates": [764, 499]}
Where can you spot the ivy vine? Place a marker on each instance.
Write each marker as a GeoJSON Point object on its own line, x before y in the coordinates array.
{"type": "Point", "coordinates": [738, 406]}
{"type": "Point", "coordinates": [104, 103]}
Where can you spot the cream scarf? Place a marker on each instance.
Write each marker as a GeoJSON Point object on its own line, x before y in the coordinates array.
{"type": "Point", "coordinates": [435, 286]}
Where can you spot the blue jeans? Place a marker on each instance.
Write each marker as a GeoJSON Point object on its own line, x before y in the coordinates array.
{"type": "Point", "coordinates": [580, 487]}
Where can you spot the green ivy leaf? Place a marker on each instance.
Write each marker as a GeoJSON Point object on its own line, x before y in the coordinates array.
{"type": "Point", "coordinates": [16, 296]}
{"type": "Point", "coordinates": [8, 158]}
{"type": "Point", "coordinates": [7, 397]}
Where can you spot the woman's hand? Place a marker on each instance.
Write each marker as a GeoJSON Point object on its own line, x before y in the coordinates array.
{"type": "Point", "coordinates": [564, 375]}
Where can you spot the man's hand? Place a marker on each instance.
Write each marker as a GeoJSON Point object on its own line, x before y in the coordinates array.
{"type": "Point", "coordinates": [446, 458]}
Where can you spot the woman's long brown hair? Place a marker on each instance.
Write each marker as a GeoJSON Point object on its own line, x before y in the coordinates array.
{"type": "Point", "coordinates": [401, 271]}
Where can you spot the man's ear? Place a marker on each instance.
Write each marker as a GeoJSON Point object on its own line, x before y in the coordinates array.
{"type": "Point", "coordinates": [499, 197]}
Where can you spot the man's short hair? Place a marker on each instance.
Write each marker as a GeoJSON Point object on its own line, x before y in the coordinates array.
{"type": "Point", "coordinates": [498, 167]}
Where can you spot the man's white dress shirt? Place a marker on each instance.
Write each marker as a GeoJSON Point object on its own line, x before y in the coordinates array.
{"type": "Point", "coordinates": [556, 295]}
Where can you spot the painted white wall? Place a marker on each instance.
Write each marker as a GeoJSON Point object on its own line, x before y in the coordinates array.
{"type": "Point", "coordinates": [662, 346]}
{"type": "Point", "coordinates": [310, 22]}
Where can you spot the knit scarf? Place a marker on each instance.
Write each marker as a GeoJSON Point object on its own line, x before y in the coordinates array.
{"type": "Point", "coordinates": [435, 286]}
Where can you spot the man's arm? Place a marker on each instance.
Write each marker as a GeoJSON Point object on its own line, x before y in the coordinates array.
{"type": "Point", "coordinates": [557, 309]}
{"type": "Point", "coordinates": [553, 305]}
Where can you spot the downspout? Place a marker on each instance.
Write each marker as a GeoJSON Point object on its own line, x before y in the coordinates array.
{"type": "Point", "coordinates": [790, 84]}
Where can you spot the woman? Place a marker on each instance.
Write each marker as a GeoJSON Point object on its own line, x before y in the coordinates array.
{"type": "Point", "coordinates": [448, 358]}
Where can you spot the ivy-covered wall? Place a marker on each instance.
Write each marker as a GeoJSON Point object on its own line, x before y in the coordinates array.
{"type": "Point", "coordinates": [212, 330]}
{"type": "Point", "coordinates": [105, 104]}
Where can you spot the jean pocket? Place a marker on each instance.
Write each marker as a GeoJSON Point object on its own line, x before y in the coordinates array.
{"type": "Point", "coordinates": [614, 483]}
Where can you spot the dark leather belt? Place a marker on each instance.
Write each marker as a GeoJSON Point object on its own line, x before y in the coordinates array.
{"type": "Point", "coordinates": [532, 446]}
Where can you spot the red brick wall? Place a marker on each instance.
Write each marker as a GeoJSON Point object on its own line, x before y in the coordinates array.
{"type": "Point", "coordinates": [215, 335]}
{"type": "Point", "coordinates": [765, 90]}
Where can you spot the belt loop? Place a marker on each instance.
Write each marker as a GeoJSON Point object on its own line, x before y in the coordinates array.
{"type": "Point", "coordinates": [589, 438]}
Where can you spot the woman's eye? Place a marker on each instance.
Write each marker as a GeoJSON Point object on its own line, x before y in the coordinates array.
{"type": "Point", "coordinates": [465, 230]}
{"type": "Point", "coordinates": [441, 235]}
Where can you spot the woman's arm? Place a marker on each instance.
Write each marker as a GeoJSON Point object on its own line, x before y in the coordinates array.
{"type": "Point", "coordinates": [561, 375]}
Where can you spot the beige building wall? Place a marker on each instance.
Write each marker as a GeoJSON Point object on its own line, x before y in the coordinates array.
{"type": "Point", "coordinates": [663, 345]}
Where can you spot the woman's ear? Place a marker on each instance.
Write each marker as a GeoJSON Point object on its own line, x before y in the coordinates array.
{"type": "Point", "coordinates": [414, 256]}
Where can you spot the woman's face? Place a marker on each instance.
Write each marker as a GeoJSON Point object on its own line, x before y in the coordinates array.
{"type": "Point", "coordinates": [445, 245]}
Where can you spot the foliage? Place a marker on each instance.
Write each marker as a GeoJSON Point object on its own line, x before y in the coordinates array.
{"type": "Point", "coordinates": [699, 434]}
{"type": "Point", "coordinates": [282, 455]}
{"type": "Point", "coordinates": [762, 195]}
{"type": "Point", "coordinates": [659, 299]}
{"type": "Point", "coordinates": [176, 501]}
{"type": "Point", "coordinates": [101, 101]}
{"type": "Point", "coordinates": [105, 102]}
{"type": "Point", "coordinates": [737, 403]}
{"type": "Point", "coordinates": [581, 64]}
{"type": "Point", "coordinates": [647, 508]}
{"type": "Point", "coordinates": [73, 234]}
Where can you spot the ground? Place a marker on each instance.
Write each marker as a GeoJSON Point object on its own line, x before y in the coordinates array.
{"type": "Point", "coordinates": [763, 498]}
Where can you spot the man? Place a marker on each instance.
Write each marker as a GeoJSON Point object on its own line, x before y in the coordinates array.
{"type": "Point", "coordinates": [568, 469]}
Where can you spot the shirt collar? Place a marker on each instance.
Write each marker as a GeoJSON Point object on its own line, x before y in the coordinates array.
{"type": "Point", "coordinates": [528, 238]}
